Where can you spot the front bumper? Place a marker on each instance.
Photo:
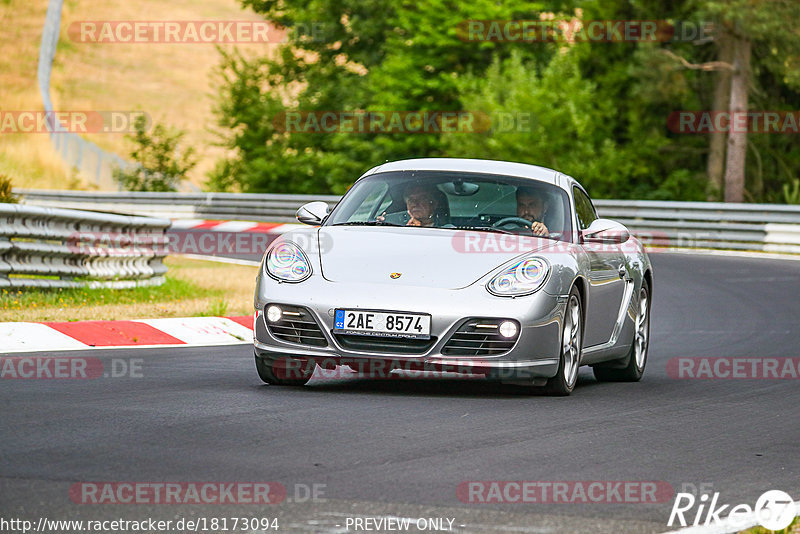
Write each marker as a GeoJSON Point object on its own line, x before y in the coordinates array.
{"type": "Point", "coordinates": [535, 353]}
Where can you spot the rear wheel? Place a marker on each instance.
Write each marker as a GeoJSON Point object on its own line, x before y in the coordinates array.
{"type": "Point", "coordinates": [637, 357]}
{"type": "Point", "coordinates": [284, 371]}
{"type": "Point", "coordinates": [571, 343]}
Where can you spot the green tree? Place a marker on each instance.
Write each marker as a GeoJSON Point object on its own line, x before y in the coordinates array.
{"type": "Point", "coordinates": [158, 164]}
{"type": "Point", "coordinates": [383, 55]}
{"type": "Point", "coordinates": [752, 42]}
{"type": "Point", "coordinates": [599, 110]}
{"type": "Point", "coordinates": [6, 195]}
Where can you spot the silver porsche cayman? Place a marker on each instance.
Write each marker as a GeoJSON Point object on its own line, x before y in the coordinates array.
{"type": "Point", "coordinates": [458, 266]}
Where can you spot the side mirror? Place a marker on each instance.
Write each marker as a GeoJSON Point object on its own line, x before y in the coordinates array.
{"type": "Point", "coordinates": [605, 231]}
{"type": "Point", "coordinates": [313, 212]}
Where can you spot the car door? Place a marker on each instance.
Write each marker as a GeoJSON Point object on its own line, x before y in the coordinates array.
{"type": "Point", "coordinates": [607, 277]}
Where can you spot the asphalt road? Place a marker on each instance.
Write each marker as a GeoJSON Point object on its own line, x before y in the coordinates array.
{"type": "Point", "coordinates": [402, 447]}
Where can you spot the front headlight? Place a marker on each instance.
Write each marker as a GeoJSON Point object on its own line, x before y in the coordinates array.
{"type": "Point", "coordinates": [522, 278]}
{"type": "Point", "coordinates": [287, 263]}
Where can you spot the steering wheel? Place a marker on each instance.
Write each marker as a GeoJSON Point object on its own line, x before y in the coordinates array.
{"type": "Point", "coordinates": [521, 223]}
{"type": "Point", "coordinates": [518, 222]}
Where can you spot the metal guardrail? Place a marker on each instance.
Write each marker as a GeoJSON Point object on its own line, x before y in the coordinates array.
{"type": "Point", "coordinates": [51, 247]}
{"type": "Point", "coordinates": [714, 225]}
{"type": "Point", "coordinates": [709, 225]}
{"type": "Point", "coordinates": [222, 206]}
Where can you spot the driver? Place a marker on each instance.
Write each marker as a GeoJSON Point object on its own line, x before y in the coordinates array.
{"type": "Point", "coordinates": [532, 206]}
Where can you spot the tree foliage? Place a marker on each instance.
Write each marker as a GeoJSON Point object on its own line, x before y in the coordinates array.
{"type": "Point", "coordinates": [596, 110]}
{"type": "Point", "coordinates": [159, 165]}
{"type": "Point", "coordinates": [6, 194]}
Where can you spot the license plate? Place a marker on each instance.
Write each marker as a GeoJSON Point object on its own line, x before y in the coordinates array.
{"type": "Point", "coordinates": [385, 324]}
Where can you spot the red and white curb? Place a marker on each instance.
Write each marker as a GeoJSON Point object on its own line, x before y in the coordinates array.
{"type": "Point", "coordinates": [85, 335]}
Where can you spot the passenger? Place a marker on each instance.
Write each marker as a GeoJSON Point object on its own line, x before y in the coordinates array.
{"type": "Point", "coordinates": [425, 206]}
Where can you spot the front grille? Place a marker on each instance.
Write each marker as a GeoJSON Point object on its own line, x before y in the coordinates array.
{"type": "Point", "coordinates": [390, 345]}
{"type": "Point", "coordinates": [479, 337]}
{"type": "Point", "coordinates": [297, 325]}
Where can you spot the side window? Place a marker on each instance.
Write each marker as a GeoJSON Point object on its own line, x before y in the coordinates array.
{"type": "Point", "coordinates": [368, 205]}
{"type": "Point", "coordinates": [583, 208]}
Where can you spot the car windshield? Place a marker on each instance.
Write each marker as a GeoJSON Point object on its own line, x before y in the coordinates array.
{"type": "Point", "coordinates": [455, 200]}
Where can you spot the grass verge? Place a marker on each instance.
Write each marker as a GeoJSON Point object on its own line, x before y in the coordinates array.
{"type": "Point", "coordinates": [173, 83]}
{"type": "Point", "coordinates": [193, 288]}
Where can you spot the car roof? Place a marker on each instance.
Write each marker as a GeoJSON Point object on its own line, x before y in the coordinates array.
{"type": "Point", "coordinates": [484, 166]}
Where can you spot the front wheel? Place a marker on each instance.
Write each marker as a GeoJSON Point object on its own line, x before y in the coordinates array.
{"type": "Point", "coordinates": [571, 343]}
{"type": "Point", "coordinates": [637, 357]}
{"type": "Point", "coordinates": [284, 371]}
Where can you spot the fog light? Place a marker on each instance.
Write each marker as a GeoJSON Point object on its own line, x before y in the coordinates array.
{"type": "Point", "coordinates": [274, 314]}
{"type": "Point", "coordinates": [508, 329]}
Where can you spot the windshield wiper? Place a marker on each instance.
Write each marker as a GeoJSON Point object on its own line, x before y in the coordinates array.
{"type": "Point", "coordinates": [366, 223]}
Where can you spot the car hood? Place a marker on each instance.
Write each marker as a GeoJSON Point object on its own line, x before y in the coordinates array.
{"type": "Point", "coordinates": [428, 257]}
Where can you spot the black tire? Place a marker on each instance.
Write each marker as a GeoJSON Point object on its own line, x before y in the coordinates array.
{"type": "Point", "coordinates": [276, 372]}
{"type": "Point", "coordinates": [633, 369]}
{"type": "Point", "coordinates": [569, 360]}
